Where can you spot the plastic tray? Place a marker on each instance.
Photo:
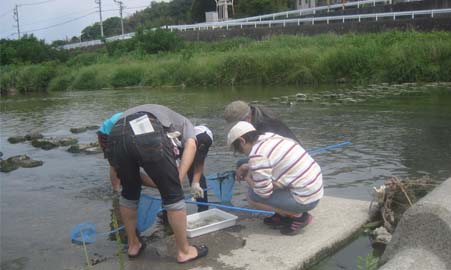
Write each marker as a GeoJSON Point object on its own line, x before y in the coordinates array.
{"type": "Point", "coordinates": [229, 220]}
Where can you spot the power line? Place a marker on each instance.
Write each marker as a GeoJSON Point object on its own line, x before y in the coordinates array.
{"type": "Point", "coordinates": [6, 13]}
{"type": "Point", "coordinates": [36, 3]}
{"type": "Point", "coordinates": [59, 24]}
{"type": "Point", "coordinates": [59, 17]}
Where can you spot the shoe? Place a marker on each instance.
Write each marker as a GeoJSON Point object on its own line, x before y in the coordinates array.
{"type": "Point", "coordinates": [143, 247]}
{"type": "Point", "coordinates": [296, 224]}
{"type": "Point", "coordinates": [202, 251]}
{"type": "Point", "coordinates": [276, 221]}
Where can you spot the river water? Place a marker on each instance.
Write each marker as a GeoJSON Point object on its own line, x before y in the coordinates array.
{"type": "Point", "coordinates": [402, 131]}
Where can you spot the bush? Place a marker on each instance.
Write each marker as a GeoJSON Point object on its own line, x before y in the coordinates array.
{"type": "Point", "coordinates": [84, 59]}
{"type": "Point", "coordinates": [87, 78]}
{"type": "Point", "coordinates": [61, 83]}
{"type": "Point", "coordinates": [28, 50]}
{"type": "Point", "coordinates": [35, 78]}
{"type": "Point", "coordinates": [7, 80]}
{"type": "Point", "coordinates": [127, 76]}
{"type": "Point", "coordinates": [157, 41]}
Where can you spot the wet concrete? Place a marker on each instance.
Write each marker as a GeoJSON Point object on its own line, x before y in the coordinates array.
{"type": "Point", "coordinates": [252, 245]}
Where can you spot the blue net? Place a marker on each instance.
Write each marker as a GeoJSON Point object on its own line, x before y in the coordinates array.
{"type": "Point", "coordinates": [83, 232]}
{"type": "Point", "coordinates": [222, 185]}
{"type": "Point", "coordinates": [148, 209]}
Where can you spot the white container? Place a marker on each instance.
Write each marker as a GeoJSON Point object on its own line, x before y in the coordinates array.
{"type": "Point", "coordinates": [226, 220]}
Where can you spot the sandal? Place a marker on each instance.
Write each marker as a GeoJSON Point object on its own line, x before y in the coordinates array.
{"type": "Point", "coordinates": [202, 251]}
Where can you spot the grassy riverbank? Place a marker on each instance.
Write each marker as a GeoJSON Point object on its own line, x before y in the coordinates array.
{"type": "Point", "coordinates": [283, 60]}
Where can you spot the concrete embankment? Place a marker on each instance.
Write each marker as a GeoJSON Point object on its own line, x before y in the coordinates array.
{"type": "Point", "coordinates": [422, 239]}
{"type": "Point", "coordinates": [252, 245]}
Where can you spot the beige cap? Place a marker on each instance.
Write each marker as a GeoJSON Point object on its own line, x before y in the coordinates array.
{"type": "Point", "coordinates": [238, 130]}
{"type": "Point", "coordinates": [236, 111]}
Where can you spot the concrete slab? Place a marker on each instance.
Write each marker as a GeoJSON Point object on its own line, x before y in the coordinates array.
{"type": "Point", "coordinates": [252, 245]}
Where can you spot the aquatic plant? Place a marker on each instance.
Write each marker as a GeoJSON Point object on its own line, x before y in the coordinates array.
{"type": "Point", "coordinates": [120, 253]}
{"type": "Point", "coordinates": [368, 262]}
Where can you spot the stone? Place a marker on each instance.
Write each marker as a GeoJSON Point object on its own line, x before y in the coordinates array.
{"type": "Point", "coordinates": [15, 162]}
{"type": "Point", "coordinates": [67, 141]}
{"type": "Point", "coordinates": [92, 127]}
{"type": "Point", "coordinates": [16, 139]}
{"type": "Point", "coordinates": [34, 136]}
{"type": "Point", "coordinates": [45, 144]}
{"type": "Point", "coordinates": [381, 236]}
{"type": "Point", "coordinates": [92, 148]}
{"type": "Point", "coordinates": [7, 166]}
{"type": "Point", "coordinates": [78, 130]}
{"type": "Point", "coordinates": [30, 163]}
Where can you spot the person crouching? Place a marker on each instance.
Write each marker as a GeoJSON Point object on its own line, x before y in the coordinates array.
{"type": "Point", "coordinates": [281, 175]}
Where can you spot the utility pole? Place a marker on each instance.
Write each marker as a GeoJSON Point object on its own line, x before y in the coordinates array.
{"type": "Point", "coordinates": [99, 2]}
{"type": "Point", "coordinates": [121, 7]}
{"type": "Point", "coordinates": [16, 18]}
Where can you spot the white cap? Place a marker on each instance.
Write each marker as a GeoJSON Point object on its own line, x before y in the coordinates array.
{"type": "Point", "coordinates": [238, 130]}
{"type": "Point", "coordinates": [201, 129]}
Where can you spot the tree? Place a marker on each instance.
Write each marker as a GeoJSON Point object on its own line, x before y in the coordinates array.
{"type": "Point", "coordinates": [199, 8]}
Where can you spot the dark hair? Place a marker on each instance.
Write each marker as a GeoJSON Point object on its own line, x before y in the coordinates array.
{"type": "Point", "coordinates": [249, 137]}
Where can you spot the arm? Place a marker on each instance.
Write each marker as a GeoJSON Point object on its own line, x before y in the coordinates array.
{"type": "Point", "coordinates": [115, 181]}
{"type": "Point", "coordinates": [260, 176]}
{"type": "Point", "coordinates": [197, 172]}
{"type": "Point", "coordinates": [187, 158]}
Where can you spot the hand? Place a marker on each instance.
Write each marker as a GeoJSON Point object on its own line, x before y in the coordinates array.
{"type": "Point", "coordinates": [196, 190]}
{"type": "Point", "coordinates": [241, 172]}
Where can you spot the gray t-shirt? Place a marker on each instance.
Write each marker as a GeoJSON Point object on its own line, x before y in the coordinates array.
{"type": "Point", "coordinates": [168, 118]}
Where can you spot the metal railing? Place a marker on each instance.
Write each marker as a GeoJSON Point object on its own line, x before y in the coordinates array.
{"type": "Point", "coordinates": [273, 16]}
{"type": "Point", "coordinates": [326, 19]}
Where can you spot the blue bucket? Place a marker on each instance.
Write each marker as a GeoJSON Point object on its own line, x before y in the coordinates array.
{"type": "Point", "coordinates": [222, 185]}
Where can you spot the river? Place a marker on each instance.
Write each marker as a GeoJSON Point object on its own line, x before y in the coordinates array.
{"type": "Point", "coordinates": [401, 130]}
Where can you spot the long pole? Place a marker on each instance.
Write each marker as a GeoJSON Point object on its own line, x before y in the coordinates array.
{"type": "Point", "coordinates": [16, 18]}
{"type": "Point", "coordinates": [121, 7]}
{"type": "Point", "coordinates": [99, 2]}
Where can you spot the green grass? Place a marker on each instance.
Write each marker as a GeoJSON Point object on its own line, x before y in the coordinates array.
{"type": "Point", "coordinates": [393, 57]}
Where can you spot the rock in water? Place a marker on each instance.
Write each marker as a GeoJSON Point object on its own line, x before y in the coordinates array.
{"type": "Point", "coordinates": [16, 139]}
{"type": "Point", "coordinates": [45, 144]}
{"type": "Point", "coordinates": [15, 162]}
{"type": "Point", "coordinates": [78, 130]}
{"type": "Point", "coordinates": [7, 166]}
{"type": "Point", "coordinates": [34, 136]}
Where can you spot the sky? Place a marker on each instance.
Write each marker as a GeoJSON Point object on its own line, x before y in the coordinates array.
{"type": "Point", "coordinates": [59, 19]}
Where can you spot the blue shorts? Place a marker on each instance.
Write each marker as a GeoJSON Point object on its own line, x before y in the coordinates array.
{"type": "Point", "coordinates": [282, 199]}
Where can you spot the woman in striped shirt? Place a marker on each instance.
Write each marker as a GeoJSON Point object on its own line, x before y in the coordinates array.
{"type": "Point", "coordinates": [281, 175]}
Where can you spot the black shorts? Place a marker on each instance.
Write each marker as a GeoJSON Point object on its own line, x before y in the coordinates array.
{"type": "Point", "coordinates": [153, 152]}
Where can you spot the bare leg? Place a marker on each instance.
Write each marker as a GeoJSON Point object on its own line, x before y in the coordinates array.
{"type": "Point", "coordinates": [129, 219]}
{"type": "Point", "coordinates": [147, 181]}
{"type": "Point", "coordinates": [177, 220]}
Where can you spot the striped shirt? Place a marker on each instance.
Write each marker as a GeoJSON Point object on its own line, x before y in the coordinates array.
{"type": "Point", "coordinates": [279, 162]}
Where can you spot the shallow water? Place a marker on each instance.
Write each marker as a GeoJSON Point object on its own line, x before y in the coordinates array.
{"type": "Point", "coordinates": [392, 134]}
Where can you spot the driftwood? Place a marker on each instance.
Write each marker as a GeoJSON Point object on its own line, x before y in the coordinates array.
{"type": "Point", "coordinates": [394, 198]}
